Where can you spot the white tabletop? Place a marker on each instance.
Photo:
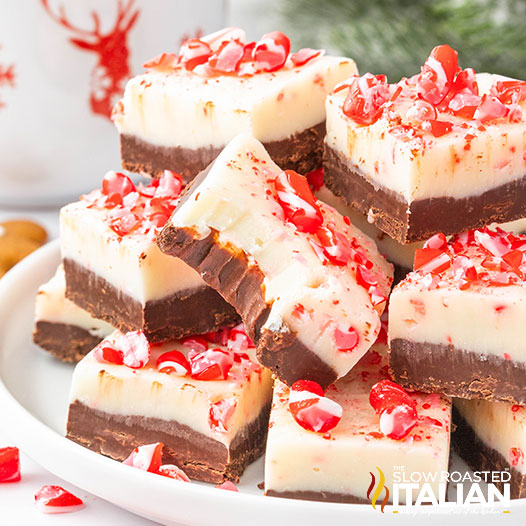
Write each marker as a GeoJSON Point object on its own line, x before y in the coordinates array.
{"type": "Point", "coordinates": [17, 499]}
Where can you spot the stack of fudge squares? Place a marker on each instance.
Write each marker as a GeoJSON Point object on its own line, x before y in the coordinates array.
{"type": "Point", "coordinates": [234, 303]}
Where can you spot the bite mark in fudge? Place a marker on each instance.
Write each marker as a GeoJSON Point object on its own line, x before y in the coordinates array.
{"type": "Point", "coordinates": [309, 286]}
{"type": "Point", "coordinates": [424, 156]}
{"type": "Point", "coordinates": [61, 328]}
{"type": "Point", "coordinates": [455, 323]}
{"type": "Point", "coordinates": [181, 113]}
{"type": "Point", "coordinates": [212, 425]}
{"type": "Point", "coordinates": [491, 436]}
{"type": "Point", "coordinates": [337, 466]}
{"type": "Point", "coordinates": [115, 271]}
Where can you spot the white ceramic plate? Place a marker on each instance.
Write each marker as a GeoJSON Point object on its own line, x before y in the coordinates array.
{"type": "Point", "coordinates": [33, 406]}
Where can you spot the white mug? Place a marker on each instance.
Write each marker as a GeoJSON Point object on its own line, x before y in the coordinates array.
{"type": "Point", "coordinates": [63, 64]}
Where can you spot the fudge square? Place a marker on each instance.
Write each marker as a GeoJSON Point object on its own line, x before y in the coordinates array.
{"type": "Point", "coordinates": [337, 465]}
{"type": "Point", "coordinates": [491, 436]}
{"type": "Point", "coordinates": [206, 399]}
{"type": "Point", "coordinates": [309, 286]}
{"type": "Point", "coordinates": [115, 271]}
{"type": "Point", "coordinates": [456, 322]}
{"type": "Point", "coordinates": [442, 151]}
{"type": "Point", "coordinates": [66, 331]}
{"type": "Point", "coordinates": [188, 106]}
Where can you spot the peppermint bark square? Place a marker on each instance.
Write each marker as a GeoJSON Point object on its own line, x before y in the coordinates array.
{"type": "Point", "coordinates": [455, 323]}
{"type": "Point", "coordinates": [205, 399]}
{"type": "Point", "coordinates": [62, 328]}
{"type": "Point", "coordinates": [491, 437]}
{"type": "Point", "coordinates": [115, 271]}
{"type": "Point", "coordinates": [182, 112]}
{"type": "Point", "coordinates": [442, 151]}
{"type": "Point", "coordinates": [309, 286]}
{"type": "Point", "coordinates": [340, 465]}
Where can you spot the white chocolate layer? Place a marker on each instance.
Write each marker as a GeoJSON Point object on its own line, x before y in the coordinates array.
{"type": "Point", "coordinates": [187, 110]}
{"type": "Point", "coordinates": [52, 306]}
{"type": "Point", "coordinates": [430, 167]}
{"type": "Point", "coordinates": [119, 390]}
{"type": "Point", "coordinates": [498, 425]}
{"type": "Point", "coordinates": [238, 201]}
{"type": "Point", "coordinates": [133, 263]}
{"type": "Point", "coordinates": [301, 460]}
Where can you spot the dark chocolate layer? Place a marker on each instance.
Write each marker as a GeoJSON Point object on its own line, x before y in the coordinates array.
{"type": "Point", "coordinates": [480, 457]}
{"type": "Point", "coordinates": [182, 314]}
{"type": "Point", "coordinates": [425, 217]}
{"type": "Point", "coordinates": [302, 152]}
{"type": "Point", "coordinates": [325, 496]}
{"type": "Point", "coordinates": [68, 343]}
{"type": "Point", "coordinates": [201, 457]}
{"type": "Point", "coordinates": [227, 270]}
{"type": "Point", "coordinates": [438, 368]}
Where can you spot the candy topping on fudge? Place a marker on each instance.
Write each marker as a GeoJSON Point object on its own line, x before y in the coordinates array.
{"type": "Point", "coordinates": [229, 54]}
{"type": "Point", "coordinates": [442, 97]}
{"type": "Point", "coordinates": [455, 321]}
{"type": "Point", "coordinates": [9, 464]}
{"type": "Point", "coordinates": [313, 286]}
{"type": "Point", "coordinates": [396, 408]}
{"type": "Point", "coordinates": [141, 209]}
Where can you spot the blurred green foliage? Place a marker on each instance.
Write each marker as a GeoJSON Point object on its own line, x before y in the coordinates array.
{"type": "Point", "coordinates": [396, 36]}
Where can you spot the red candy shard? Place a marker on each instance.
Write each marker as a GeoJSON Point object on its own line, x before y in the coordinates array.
{"type": "Point", "coordinates": [516, 456]}
{"type": "Point", "coordinates": [173, 472]}
{"type": "Point", "coordinates": [509, 91]}
{"type": "Point", "coordinates": [366, 97]}
{"type": "Point", "coordinates": [315, 179]}
{"type": "Point", "coordinates": [396, 408]}
{"type": "Point", "coordinates": [131, 349]}
{"type": "Point", "coordinates": [346, 340]}
{"type": "Point", "coordinates": [196, 343]}
{"type": "Point", "coordinates": [335, 246]}
{"type": "Point", "coordinates": [271, 51]}
{"type": "Point", "coordinates": [305, 55]}
{"type": "Point", "coordinates": [421, 111]}
{"type": "Point", "coordinates": [312, 411]}
{"type": "Point", "coordinates": [163, 62]}
{"type": "Point", "coordinates": [55, 499]}
{"type": "Point", "coordinates": [228, 57]}
{"type": "Point", "coordinates": [437, 242]}
{"type": "Point", "coordinates": [432, 260]}
{"type": "Point", "coordinates": [229, 486]}
{"type": "Point", "coordinates": [220, 414]}
{"type": "Point", "coordinates": [9, 464]}
{"type": "Point", "coordinates": [146, 458]}
{"type": "Point", "coordinates": [298, 201]}
{"type": "Point", "coordinates": [170, 185]}
{"type": "Point", "coordinates": [117, 183]}
{"type": "Point", "coordinates": [173, 362]}
{"type": "Point", "coordinates": [490, 108]}
{"type": "Point", "coordinates": [213, 364]}
{"type": "Point", "coordinates": [194, 52]}
{"type": "Point", "coordinates": [122, 221]}
{"type": "Point", "coordinates": [238, 339]}
{"type": "Point", "coordinates": [437, 128]}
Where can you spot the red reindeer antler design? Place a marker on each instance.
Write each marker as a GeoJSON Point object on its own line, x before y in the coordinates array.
{"type": "Point", "coordinates": [112, 68]}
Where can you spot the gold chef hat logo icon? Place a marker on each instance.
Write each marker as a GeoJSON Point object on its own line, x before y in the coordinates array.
{"type": "Point", "coordinates": [377, 492]}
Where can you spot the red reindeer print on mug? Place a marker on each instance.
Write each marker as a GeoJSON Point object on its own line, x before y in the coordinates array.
{"type": "Point", "coordinates": [7, 78]}
{"type": "Point", "coordinates": [112, 68]}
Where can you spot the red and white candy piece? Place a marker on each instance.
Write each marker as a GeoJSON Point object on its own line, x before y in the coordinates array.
{"type": "Point", "coordinates": [396, 408]}
{"type": "Point", "coordinates": [173, 472]}
{"type": "Point", "coordinates": [298, 201]}
{"type": "Point", "coordinates": [131, 349]}
{"type": "Point", "coordinates": [271, 51]}
{"type": "Point", "coordinates": [173, 362]}
{"type": "Point", "coordinates": [55, 499]}
{"type": "Point", "coordinates": [228, 486]}
{"type": "Point", "coordinates": [213, 364]}
{"type": "Point", "coordinates": [220, 414]}
{"type": "Point", "coordinates": [146, 458]}
{"type": "Point", "coordinates": [311, 409]}
{"type": "Point", "coordinates": [9, 464]}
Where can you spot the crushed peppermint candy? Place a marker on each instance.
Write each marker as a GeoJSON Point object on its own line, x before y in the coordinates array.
{"type": "Point", "coordinates": [440, 99]}
{"type": "Point", "coordinates": [136, 209]}
{"type": "Point", "coordinates": [231, 55]}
